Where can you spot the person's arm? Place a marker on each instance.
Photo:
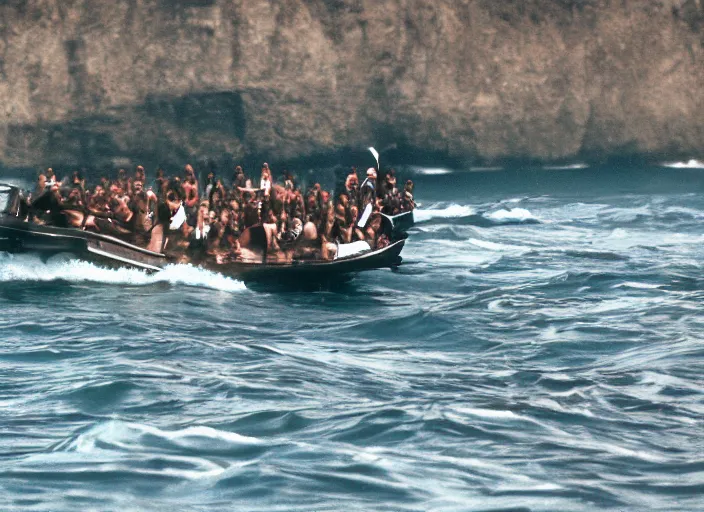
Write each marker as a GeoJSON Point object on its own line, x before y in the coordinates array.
{"type": "Point", "coordinates": [193, 193]}
{"type": "Point", "coordinates": [151, 199]}
{"type": "Point", "coordinates": [200, 225]}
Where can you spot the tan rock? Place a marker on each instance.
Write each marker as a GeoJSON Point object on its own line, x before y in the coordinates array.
{"type": "Point", "coordinates": [88, 81]}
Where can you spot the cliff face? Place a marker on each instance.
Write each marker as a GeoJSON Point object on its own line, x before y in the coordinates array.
{"type": "Point", "coordinates": [90, 82]}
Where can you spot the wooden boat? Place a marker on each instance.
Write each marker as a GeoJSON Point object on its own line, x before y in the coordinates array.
{"type": "Point", "coordinates": [19, 236]}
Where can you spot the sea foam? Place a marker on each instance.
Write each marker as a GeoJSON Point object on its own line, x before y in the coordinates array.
{"type": "Point", "coordinates": [28, 267]}
{"type": "Point", "coordinates": [511, 216]}
{"type": "Point", "coordinates": [689, 164]}
{"type": "Point", "coordinates": [448, 212]}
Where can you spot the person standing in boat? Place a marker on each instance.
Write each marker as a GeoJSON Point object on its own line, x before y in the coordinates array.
{"type": "Point", "coordinates": [387, 184]}
{"type": "Point", "coordinates": [190, 188]}
{"type": "Point", "coordinates": [122, 180]}
{"type": "Point", "coordinates": [209, 184]}
{"type": "Point", "coordinates": [250, 210]}
{"type": "Point", "coordinates": [160, 183]}
{"type": "Point", "coordinates": [139, 175]}
{"type": "Point", "coordinates": [51, 179]}
{"type": "Point", "coordinates": [216, 195]}
{"type": "Point", "coordinates": [40, 188]}
{"type": "Point", "coordinates": [367, 191]}
{"type": "Point", "coordinates": [239, 180]}
{"type": "Point", "coordinates": [367, 197]}
{"type": "Point", "coordinates": [352, 186]}
{"type": "Point", "coordinates": [289, 180]}
{"type": "Point", "coordinates": [265, 182]}
{"type": "Point", "coordinates": [407, 202]}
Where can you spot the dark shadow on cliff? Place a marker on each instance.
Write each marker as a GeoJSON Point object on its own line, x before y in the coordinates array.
{"type": "Point", "coordinates": [162, 131]}
{"type": "Point", "coordinates": [209, 129]}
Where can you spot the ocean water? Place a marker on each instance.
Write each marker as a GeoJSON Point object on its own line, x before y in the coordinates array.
{"type": "Point", "coordinates": [541, 348]}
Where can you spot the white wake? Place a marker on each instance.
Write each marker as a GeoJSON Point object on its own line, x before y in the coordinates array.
{"type": "Point", "coordinates": [28, 267]}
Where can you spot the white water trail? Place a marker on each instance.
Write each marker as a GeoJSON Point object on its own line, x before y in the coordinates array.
{"type": "Point", "coordinates": [27, 267]}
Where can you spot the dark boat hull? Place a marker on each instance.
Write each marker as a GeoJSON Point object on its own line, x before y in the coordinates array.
{"type": "Point", "coordinates": [387, 257]}
{"type": "Point", "coordinates": [21, 237]}
{"type": "Point", "coordinates": [402, 222]}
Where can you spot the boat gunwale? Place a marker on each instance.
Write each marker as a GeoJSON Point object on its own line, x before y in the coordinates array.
{"type": "Point", "coordinates": [19, 225]}
{"type": "Point", "coordinates": [319, 263]}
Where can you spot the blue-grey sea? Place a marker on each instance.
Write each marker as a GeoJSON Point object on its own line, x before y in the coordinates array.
{"type": "Point", "coordinates": [540, 349]}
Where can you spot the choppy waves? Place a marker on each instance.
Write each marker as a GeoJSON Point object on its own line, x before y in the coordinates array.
{"type": "Point", "coordinates": [447, 212]}
{"type": "Point", "coordinates": [537, 353]}
{"type": "Point", "coordinates": [470, 214]}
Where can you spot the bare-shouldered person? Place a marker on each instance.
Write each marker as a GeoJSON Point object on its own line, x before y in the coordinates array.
{"type": "Point", "coordinates": [190, 188]}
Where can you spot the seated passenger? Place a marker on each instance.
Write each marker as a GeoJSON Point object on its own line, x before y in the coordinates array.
{"type": "Point", "coordinates": [327, 224]}
{"type": "Point", "coordinates": [292, 231]}
{"type": "Point", "coordinates": [372, 230]}
{"type": "Point", "coordinates": [352, 184]}
{"type": "Point", "coordinates": [328, 250]}
{"type": "Point", "coordinates": [251, 211]}
{"type": "Point", "coordinates": [98, 201]}
{"type": "Point", "coordinates": [272, 232]}
{"type": "Point", "coordinates": [141, 204]}
{"type": "Point", "coordinates": [355, 232]}
{"type": "Point", "coordinates": [343, 219]}
{"type": "Point", "coordinates": [73, 208]}
{"type": "Point", "coordinates": [202, 227]}
{"type": "Point", "coordinates": [310, 232]}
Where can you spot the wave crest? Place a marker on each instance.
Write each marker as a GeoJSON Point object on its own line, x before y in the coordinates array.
{"type": "Point", "coordinates": [511, 216]}
{"type": "Point", "coordinates": [453, 211]}
{"type": "Point", "coordinates": [119, 435]}
{"type": "Point", "coordinates": [468, 215]}
{"type": "Point", "coordinates": [689, 164]}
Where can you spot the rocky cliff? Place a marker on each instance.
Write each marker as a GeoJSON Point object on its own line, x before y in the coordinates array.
{"type": "Point", "coordinates": [92, 82]}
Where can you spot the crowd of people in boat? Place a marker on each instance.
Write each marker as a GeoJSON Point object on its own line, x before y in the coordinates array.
{"type": "Point", "coordinates": [216, 218]}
